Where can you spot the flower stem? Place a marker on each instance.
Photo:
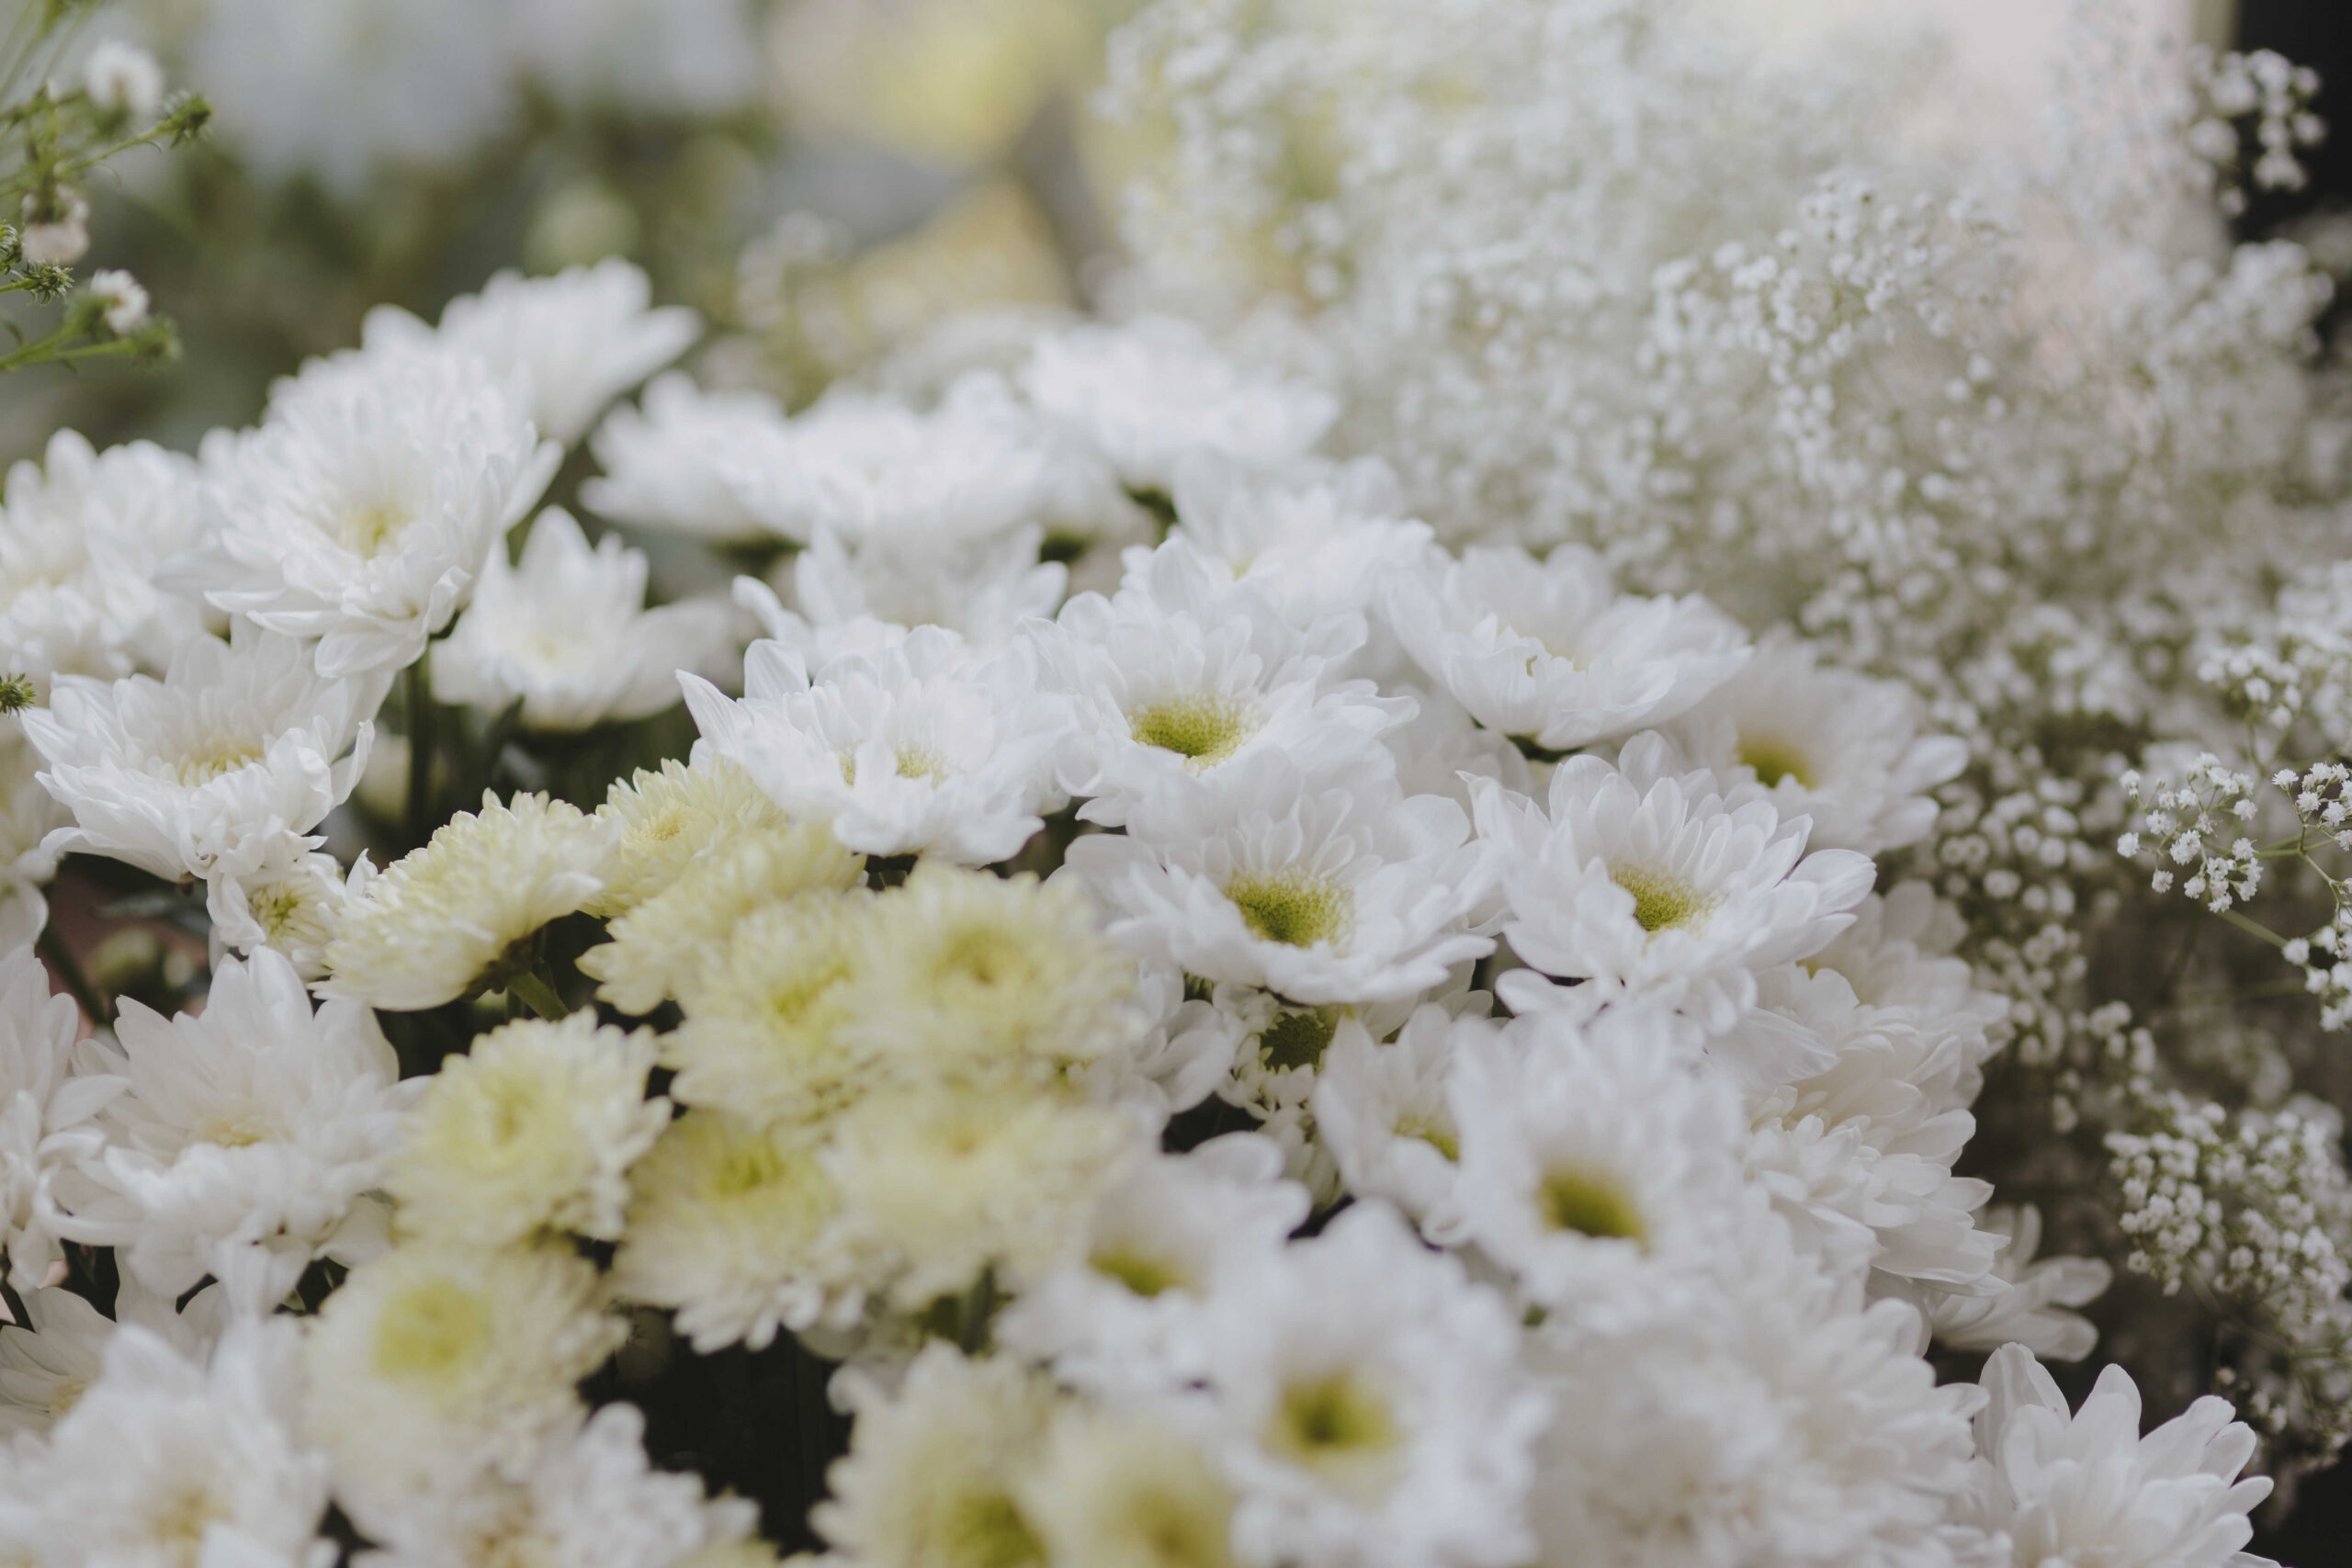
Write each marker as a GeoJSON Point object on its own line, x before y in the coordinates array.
{"type": "Point", "coordinates": [538, 993]}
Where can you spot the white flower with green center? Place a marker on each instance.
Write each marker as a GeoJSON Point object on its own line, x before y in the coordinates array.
{"type": "Point", "coordinates": [292, 909]}
{"type": "Point", "coordinates": [916, 747]}
{"type": "Point", "coordinates": [564, 632]}
{"type": "Point", "coordinates": [1646, 881]}
{"type": "Point", "coordinates": [1840, 747]}
{"type": "Point", "coordinates": [1182, 672]}
{"type": "Point", "coordinates": [1323, 888]}
{"type": "Point", "coordinates": [1126, 1491]}
{"type": "Point", "coordinates": [251, 1133]}
{"type": "Point", "coordinates": [1362, 1398]}
{"type": "Point", "coordinates": [362, 509]}
{"type": "Point", "coordinates": [1548, 653]}
{"type": "Point", "coordinates": [218, 770]}
{"type": "Point", "coordinates": [1381, 1109]}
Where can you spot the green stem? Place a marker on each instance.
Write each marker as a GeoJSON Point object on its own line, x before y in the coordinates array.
{"type": "Point", "coordinates": [63, 964]}
{"type": "Point", "coordinates": [538, 994]}
{"type": "Point", "coordinates": [420, 751]}
{"type": "Point", "coordinates": [2252, 927]}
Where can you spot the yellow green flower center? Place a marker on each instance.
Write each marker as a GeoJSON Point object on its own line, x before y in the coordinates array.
{"type": "Point", "coordinates": [1661, 901]}
{"type": "Point", "coordinates": [202, 764]}
{"type": "Point", "coordinates": [1433, 1131]}
{"type": "Point", "coordinates": [1139, 1272]}
{"type": "Point", "coordinates": [922, 762]}
{"type": "Point", "coordinates": [1293, 910]}
{"type": "Point", "coordinates": [1298, 1039]}
{"type": "Point", "coordinates": [431, 1331]}
{"type": "Point", "coordinates": [985, 1530]}
{"type": "Point", "coordinates": [1773, 760]}
{"type": "Point", "coordinates": [1571, 1198]}
{"type": "Point", "coordinates": [1333, 1424]}
{"type": "Point", "coordinates": [1202, 728]}
{"type": "Point", "coordinates": [368, 529]}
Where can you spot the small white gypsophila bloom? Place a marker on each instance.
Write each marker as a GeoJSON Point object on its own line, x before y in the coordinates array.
{"type": "Point", "coordinates": [291, 909]}
{"type": "Point", "coordinates": [1315, 537]}
{"type": "Point", "coordinates": [50, 1361]}
{"type": "Point", "coordinates": [2086, 1486]}
{"type": "Point", "coordinates": [427, 927]}
{"type": "Point", "coordinates": [532, 1129]}
{"type": "Point", "coordinates": [123, 78]}
{"type": "Point", "coordinates": [432, 1363]}
{"type": "Point", "coordinates": [663, 461]}
{"type": "Point", "coordinates": [1548, 651]}
{"type": "Point", "coordinates": [1127, 1317]}
{"type": "Point", "coordinates": [1769, 1418]}
{"type": "Point", "coordinates": [169, 1458]}
{"type": "Point", "coordinates": [52, 1089]}
{"type": "Point", "coordinates": [580, 338]}
{"type": "Point", "coordinates": [1149, 393]}
{"type": "Point", "coordinates": [983, 590]}
{"type": "Point", "coordinates": [564, 632]}
{"type": "Point", "coordinates": [919, 748]}
{"type": "Point", "coordinates": [1182, 672]}
{"type": "Point", "coordinates": [80, 536]}
{"type": "Point", "coordinates": [343, 89]}
{"type": "Point", "coordinates": [1382, 1109]}
{"type": "Point", "coordinates": [588, 1498]}
{"type": "Point", "coordinates": [1364, 1399]}
{"type": "Point", "coordinates": [247, 1141]}
{"type": "Point", "coordinates": [220, 769]}
{"type": "Point", "coordinates": [361, 509]}
{"type": "Point", "coordinates": [1829, 744]}
{"type": "Point", "coordinates": [2031, 1310]}
{"type": "Point", "coordinates": [1324, 887]}
{"type": "Point", "coordinates": [658, 58]}
{"type": "Point", "coordinates": [126, 302]}
{"type": "Point", "coordinates": [1655, 884]}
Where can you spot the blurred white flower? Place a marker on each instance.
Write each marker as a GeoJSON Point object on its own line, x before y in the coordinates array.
{"type": "Point", "coordinates": [663, 461]}
{"type": "Point", "coordinates": [52, 1090]}
{"type": "Point", "coordinates": [124, 76]}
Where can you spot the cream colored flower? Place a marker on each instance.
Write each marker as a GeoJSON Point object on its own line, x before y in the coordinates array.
{"type": "Point", "coordinates": [665, 820]}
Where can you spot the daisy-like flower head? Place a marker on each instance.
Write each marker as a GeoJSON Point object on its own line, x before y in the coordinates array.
{"type": "Point", "coordinates": [1327, 888]}
{"type": "Point", "coordinates": [1149, 393]}
{"type": "Point", "coordinates": [1124, 1490]}
{"type": "Point", "coordinates": [217, 770]}
{"type": "Point", "coordinates": [80, 536]}
{"type": "Point", "coordinates": [982, 590]}
{"type": "Point", "coordinates": [919, 748]}
{"type": "Point", "coordinates": [1367, 1406]}
{"type": "Point", "coordinates": [289, 908]}
{"type": "Point", "coordinates": [430, 926]}
{"type": "Point", "coordinates": [1315, 538]}
{"type": "Point", "coordinates": [1182, 672]}
{"type": "Point", "coordinates": [532, 1129]}
{"type": "Point", "coordinates": [250, 1133]}
{"type": "Point", "coordinates": [663, 462]}
{"type": "Point", "coordinates": [1897, 956]}
{"type": "Point", "coordinates": [432, 1363]}
{"type": "Point", "coordinates": [57, 1354]}
{"type": "Point", "coordinates": [1548, 653]}
{"type": "Point", "coordinates": [2031, 1309]}
{"type": "Point", "coordinates": [579, 338]}
{"type": "Point", "coordinates": [736, 1227]}
{"type": "Point", "coordinates": [362, 509]}
{"type": "Point", "coordinates": [1383, 1110]}
{"type": "Point", "coordinates": [1651, 883]}
{"type": "Point", "coordinates": [1840, 747]}
{"type": "Point", "coordinates": [663, 822]}
{"type": "Point", "coordinates": [50, 1090]}
{"type": "Point", "coordinates": [565, 633]}
{"type": "Point", "coordinates": [2087, 1487]}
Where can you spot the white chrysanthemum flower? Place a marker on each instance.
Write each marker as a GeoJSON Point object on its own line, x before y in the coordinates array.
{"type": "Point", "coordinates": [28, 814]}
{"type": "Point", "coordinates": [218, 770]}
{"type": "Point", "coordinates": [1315, 539]}
{"type": "Point", "coordinates": [428, 927]}
{"type": "Point", "coordinates": [51, 1090]}
{"type": "Point", "coordinates": [565, 633]}
{"type": "Point", "coordinates": [1442, 742]}
{"type": "Point", "coordinates": [664, 821]}
{"type": "Point", "coordinates": [917, 748]}
{"type": "Point", "coordinates": [1126, 1491]}
{"type": "Point", "coordinates": [361, 511]}
{"type": "Point", "coordinates": [1187, 1050]}
{"type": "Point", "coordinates": [167, 1460]}
{"type": "Point", "coordinates": [736, 1227]}
{"type": "Point", "coordinates": [1127, 1317]}
{"type": "Point", "coordinates": [291, 909]}
{"type": "Point", "coordinates": [664, 462]}
{"type": "Point", "coordinates": [2087, 1487]}
{"type": "Point", "coordinates": [249, 1133]}
{"type": "Point", "coordinates": [590, 1498]}
{"type": "Point", "coordinates": [1330, 887]}
{"type": "Point", "coordinates": [1382, 1110]}
{"type": "Point", "coordinates": [982, 590]}
{"type": "Point", "coordinates": [951, 1181]}
{"type": "Point", "coordinates": [2031, 1308]}
{"type": "Point", "coordinates": [1363, 1399]}
{"type": "Point", "coordinates": [1769, 1419]}
{"type": "Point", "coordinates": [657, 59]}
{"type": "Point", "coordinates": [936, 1467]}
{"type": "Point", "coordinates": [1649, 884]}
{"type": "Point", "coordinates": [534, 1128]}
{"type": "Point", "coordinates": [1548, 653]}
{"type": "Point", "coordinates": [1149, 393]}
{"type": "Point", "coordinates": [1898, 956]}
{"type": "Point", "coordinates": [433, 1363]}
{"type": "Point", "coordinates": [1840, 747]}
{"type": "Point", "coordinates": [1182, 674]}
{"type": "Point", "coordinates": [80, 536]}
{"type": "Point", "coordinates": [581, 337]}
{"type": "Point", "coordinates": [58, 1354]}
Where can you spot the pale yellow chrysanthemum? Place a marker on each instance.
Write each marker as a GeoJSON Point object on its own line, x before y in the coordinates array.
{"type": "Point", "coordinates": [533, 1129]}
{"type": "Point", "coordinates": [736, 1227]}
{"type": "Point", "coordinates": [659, 946]}
{"type": "Point", "coordinates": [434, 1362]}
{"type": "Point", "coordinates": [935, 1468]}
{"type": "Point", "coordinates": [1124, 1490]}
{"type": "Point", "coordinates": [763, 1035]}
{"type": "Point", "coordinates": [965, 971]}
{"type": "Point", "coordinates": [954, 1180]}
{"type": "Point", "coordinates": [662, 822]}
{"type": "Point", "coordinates": [433, 923]}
